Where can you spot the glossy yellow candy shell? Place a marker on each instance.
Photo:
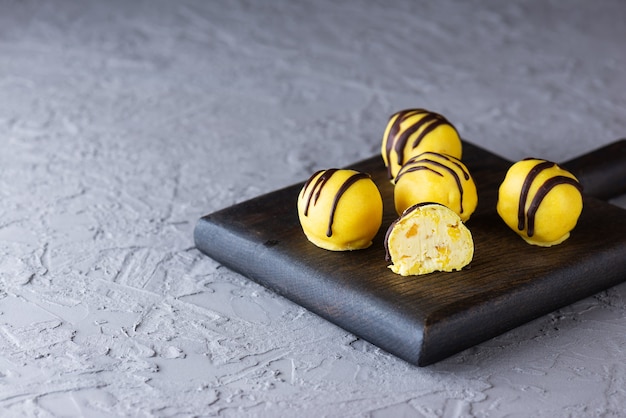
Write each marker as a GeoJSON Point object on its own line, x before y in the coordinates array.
{"type": "Point", "coordinates": [357, 215]}
{"type": "Point", "coordinates": [557, 213]}
{"type": "Point", "coordinates": [434, 183]}
{"type": "Point", "coordinates": [442, 139]}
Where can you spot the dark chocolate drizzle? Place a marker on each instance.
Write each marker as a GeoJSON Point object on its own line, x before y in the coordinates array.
{"type": "Point", "coordinates": [541, 193]}
{"type": "Point", "coordinates": [526, 218]}
{"type": "Point", "coordinates": [397, 139]}
{"type": "Point", "coordinates": [345, 186]}
{"type": "Point", "coordinates": [420, 163]}
{"type": "Point", "coordinates": [316, 190]}
{"type": "Point", "coordinates": [530, 177]}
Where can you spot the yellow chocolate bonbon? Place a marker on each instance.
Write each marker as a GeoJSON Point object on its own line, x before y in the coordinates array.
{"type": "Point", "coordinates": [540, 201]}
{"type": "Point", "coordinates": [413, 131]}
{"type": "Point", "coordinates": [439, 178]}
{"type": "Point", "coordinates": [340, 209]}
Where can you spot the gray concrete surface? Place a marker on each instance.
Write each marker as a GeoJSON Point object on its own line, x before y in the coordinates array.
{"type": "Point", "coordinates": [123, 122]}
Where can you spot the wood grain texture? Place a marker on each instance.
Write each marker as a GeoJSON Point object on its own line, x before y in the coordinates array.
{"type": "Point", "coordinates": [602, 171]}
{"type": "Point", "coordinates": [421, 319]}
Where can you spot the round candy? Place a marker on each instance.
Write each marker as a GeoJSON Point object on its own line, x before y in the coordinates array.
{"type": "Point", "coordinates": [428, 237]}
{"type": "Point", "coordinates": [413, 131]}
{"type": "Point", "coordinates": [434, 177]}
{"type": "Point", "coordinates": [340, 209]}
{"type": "Point", "coordinates": [540, 201]}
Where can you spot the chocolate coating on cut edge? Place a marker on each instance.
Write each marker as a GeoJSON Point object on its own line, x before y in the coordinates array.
{"type": "Point", "coordinates": [393, 224]}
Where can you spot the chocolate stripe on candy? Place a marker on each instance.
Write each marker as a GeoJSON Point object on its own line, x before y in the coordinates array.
{"type": "Point", "coordinates": [316, 190]}
{"type": "Point", "coordinates": [319, 184]}
{"type": "Point", "coordinates": [530, 177]}
{"type": "Point", "coordinates": [345, 186]}
{"type": "Point", "coordinates": [543, 190]}
{"type": "Point", "coordinates": [419, 163]}
{"type": "Point", "coordinates": [397, 138]}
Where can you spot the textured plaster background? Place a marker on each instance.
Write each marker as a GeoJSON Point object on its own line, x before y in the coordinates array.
{"type": "Point", "coordinates": [121, 123]}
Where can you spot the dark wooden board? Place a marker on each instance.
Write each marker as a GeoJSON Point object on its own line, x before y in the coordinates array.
{"type": "Point", "coordinates": [423, 319]}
